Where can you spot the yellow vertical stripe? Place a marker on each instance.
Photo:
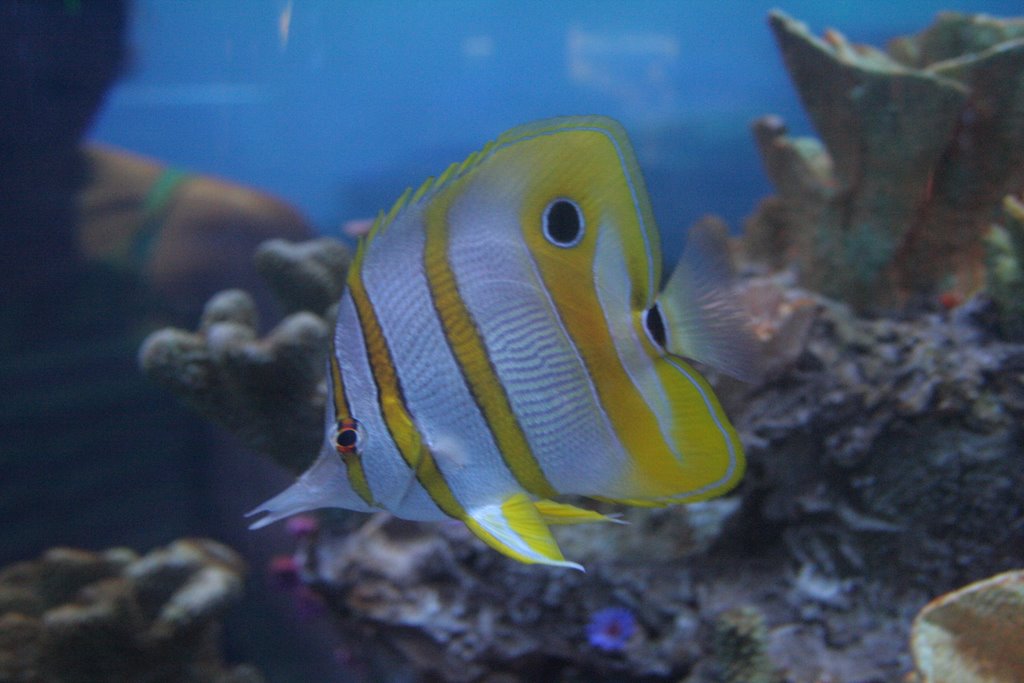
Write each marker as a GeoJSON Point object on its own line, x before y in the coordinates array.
{"type": "Point", "coordinates": [342, 411]}
{"type": "Point", "coordinates": [591, 167]}
{"type": "Point", "coordinates": [400, 424]}
{"type": "Point", "coordinates": [471, 355]}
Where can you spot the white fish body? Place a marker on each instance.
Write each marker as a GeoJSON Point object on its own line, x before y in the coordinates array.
{"type": "Point", "coordinates": [502, 342]}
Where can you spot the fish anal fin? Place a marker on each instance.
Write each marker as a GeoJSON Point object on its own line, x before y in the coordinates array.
{"type": "Point", "coordinates": [634, 502]}
{"type": "Point", "coordinates": [517, 529]}
{"type": "Point", "coordinates": [563, 513]}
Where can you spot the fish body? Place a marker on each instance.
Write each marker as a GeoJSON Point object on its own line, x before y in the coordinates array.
{"type": "Point", "coordinates": [503, 340]}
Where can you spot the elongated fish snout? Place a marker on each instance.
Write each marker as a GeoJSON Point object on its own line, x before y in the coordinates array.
{"type": "Point", "coordinates": [323, 485]}
{"type": "Point", "coordinates": [293, 500]}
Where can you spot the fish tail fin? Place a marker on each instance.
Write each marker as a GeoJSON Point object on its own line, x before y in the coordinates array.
{"type": "Point", "coordinates": [701, 319]}
{"type": "Point", "coordinates": [517, 529]}
{"type": "Point", "coordinates": [563, 513]}
{"type": "Point", "coordinates": [320, 486]}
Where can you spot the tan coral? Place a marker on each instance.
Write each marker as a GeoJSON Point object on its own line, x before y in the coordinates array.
{"type": "Point", "coordinates": [973, 635]}
{"type": "Point", "coordinates": [269, 391]}
{"type": "Point", "coordinates": [77, 616]}
{"type": "Point", "coordinates": [892, 208]}
{"type": "Point", "coordinates": [305, 276]}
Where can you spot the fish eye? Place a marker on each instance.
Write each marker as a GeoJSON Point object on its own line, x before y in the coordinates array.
{"type": "Point", "coordinates": [563, 223]}
{"type": "Point", "coordinates": [655, 325]}
{"type": "Point", "coordinates": [348, 437]}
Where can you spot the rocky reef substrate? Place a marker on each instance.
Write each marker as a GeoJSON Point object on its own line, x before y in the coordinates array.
{"type": "Point", "coordinates": [886, 468]}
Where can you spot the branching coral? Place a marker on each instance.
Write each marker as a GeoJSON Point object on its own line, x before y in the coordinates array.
{"type": "Point", "coordinates": [77, 616]}
{"type": "Point", "coordinates": [916, 156]}
{"type": "Point", "coordinates": [268, 391]}
{"type": "Point", "coordinates": [305, 276]}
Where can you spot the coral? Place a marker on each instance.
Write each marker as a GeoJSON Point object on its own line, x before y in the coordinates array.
{"type": "Point", "coordinates": [269, 391]}
{"type": "Point", "coordinates": [892, 209]}
{"type": "Point", "coordinates": [610, 629]}
{"type": "Point", "coordinates": [973, 635]}
{"type": "Point", "coordinates": [305, 276]}
{"type": "Point", "coordinates": [1005, 268]}
{"type": "Point", "coordinates": [740, 644]}
{"type": "Point", "coordinates": [113, 616]}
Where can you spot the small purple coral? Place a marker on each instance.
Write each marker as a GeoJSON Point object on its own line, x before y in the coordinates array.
{"type": "Point", "coordinates": [302, 526]}
{"type": "Point", "coordinates": [611, 628]}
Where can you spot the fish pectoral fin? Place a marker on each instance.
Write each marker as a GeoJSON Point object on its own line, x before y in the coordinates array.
{"type": "Point", "coordinates": [563, 513]}
{"type": "Point", "coordinates": [516, 528]}
{"type": "Point", "coordinates": [701, 315]}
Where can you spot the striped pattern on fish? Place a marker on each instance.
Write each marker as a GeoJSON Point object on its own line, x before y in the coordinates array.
{"type": "Point", "coordinates": [501, 342]}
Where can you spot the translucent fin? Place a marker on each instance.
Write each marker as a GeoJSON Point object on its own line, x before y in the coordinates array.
{"type": "Point", "coordinates": [322, 485]}
{"type": "Point", "coordinates": [702, 318]}
{"type": "Point", "coordinates": [516, 528]}
{"type": "Point", "coordinates": [563, 513]}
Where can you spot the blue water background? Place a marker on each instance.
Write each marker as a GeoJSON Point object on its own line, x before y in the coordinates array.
{"type": "Point", "coordinates": [342, 106]}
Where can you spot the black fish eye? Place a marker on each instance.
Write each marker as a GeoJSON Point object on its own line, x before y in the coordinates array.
{"type": "Point", "coordinates": [348, 436]}
{"type": "Point", "coordinates": [655, 325]}
{"type": "Point", "coordinates": [563, 223]}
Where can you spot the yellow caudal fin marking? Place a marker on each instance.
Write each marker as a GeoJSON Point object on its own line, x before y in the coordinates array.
{"type": "Point", "coordinates": [517, 529]}
{"type": "Point", "coordinates": [563, 513]}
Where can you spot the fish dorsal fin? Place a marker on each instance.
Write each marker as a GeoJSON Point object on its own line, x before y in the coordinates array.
{"type": "Point", "coordinates": [516, 528]}
{"type": "Point", "coordinates": [702, 317]}
{"type": "Point", "coordinates": [411, 198]}
{"type": "Point", "coordinates": [429, 187]}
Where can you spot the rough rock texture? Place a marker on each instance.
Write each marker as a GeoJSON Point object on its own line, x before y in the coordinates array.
{"type": "Point", "coordinates": [886, 467]}
{"type": "Point", "coordinates": [916, 156]}
{"type": "Point", "coordinates": [77, 616]}
{"type": "Point", "coordinates": [269, 391]}
{"type": "Point", "coordinates": [893, 449]}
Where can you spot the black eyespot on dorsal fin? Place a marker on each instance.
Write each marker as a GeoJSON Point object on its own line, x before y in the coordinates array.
{"type": "Point", "coordinates": [655, 325]}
